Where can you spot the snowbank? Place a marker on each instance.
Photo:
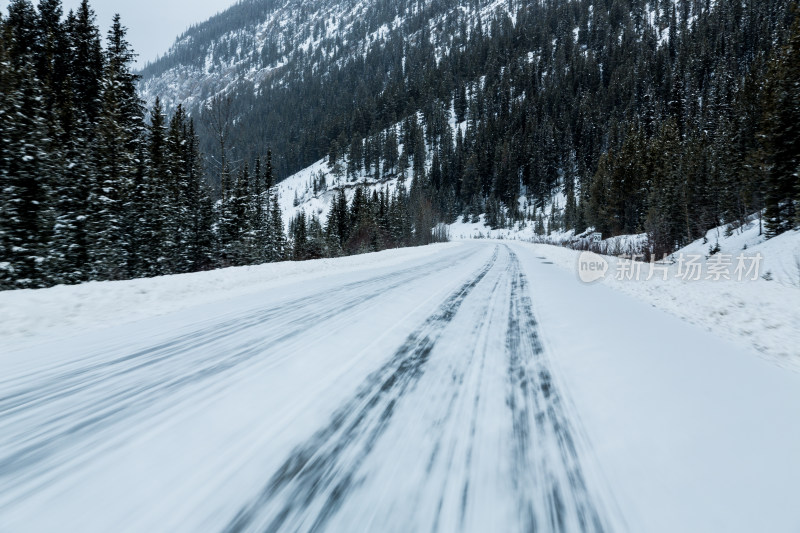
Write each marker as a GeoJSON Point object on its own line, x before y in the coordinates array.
{"type": "Point", "coordinates": [34, 314]}
{"type": "Point", "coordinates": [762, 314]}
{"type": "Point", "coordinates": [781, 254]}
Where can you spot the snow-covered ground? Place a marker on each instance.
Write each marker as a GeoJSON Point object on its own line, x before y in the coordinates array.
{"type": "Point", "coordinates": [479, 230]}
{"type": "Point", "coordinates": [473, 386]}
{"type": "Point", "coordinates": [781, 254]}
{"type": "Point", "coordinates": [758, 314]}
{"type": "Point", "coordinates": [762, 313]}
{"type": "Point", "coordinates": [30, 316]}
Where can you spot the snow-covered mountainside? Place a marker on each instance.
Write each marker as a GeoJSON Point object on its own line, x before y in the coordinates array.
{"type": "Point", "coordinates": [275, 58]}
{"type": "Point", "coordinates": [261, 43]}
{"type": "Point", "coordinates": [580, 105]}
{"type": "Point", "coordinates": [313, 190]}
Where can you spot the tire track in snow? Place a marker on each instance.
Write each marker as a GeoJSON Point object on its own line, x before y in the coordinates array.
{"type": "Point", "coordinates": [551, 490]}
{"type": "Point", "coordinates": [547, 480]}
{"type": "Point", "coordinates": [61, 413]}
{"type": "Point", "coordinates": [60, 382]}
{"type": "Point", "coordinates": [459, 400]}
{"type": "Point", "coordinates": [310, 486]}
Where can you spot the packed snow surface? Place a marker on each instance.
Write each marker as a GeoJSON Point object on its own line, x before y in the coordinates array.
{"type": "Point", "coordinates": [476, 386]}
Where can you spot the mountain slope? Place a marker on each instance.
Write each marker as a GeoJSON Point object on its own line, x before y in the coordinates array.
{"type": "Point", "coordinates": [639, 112]}
{"type": "Point", "coordinates": [296, 65]}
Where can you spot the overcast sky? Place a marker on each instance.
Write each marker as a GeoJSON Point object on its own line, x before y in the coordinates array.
{"type": "Point", "coordinates": [152, 25]}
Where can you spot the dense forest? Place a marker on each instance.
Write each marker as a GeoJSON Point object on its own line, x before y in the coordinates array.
{"type": "Point", "coordinates": [661, 117]}
{"type": "Point", "coordinates": [650, 116]}
{"type": "Point", "coordinates": [96, 187]}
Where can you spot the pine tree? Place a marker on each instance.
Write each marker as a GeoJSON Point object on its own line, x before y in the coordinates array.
{"type": "Point", "coordinates": [201, 240]}
{"type": "Point", "coordinates": [80, 66]}
{"type": "Point", "coordinates": [8, 107]}
{"type": "Point", "coordinates": [298, 230]}
{"type": "Point", "coordinates": [316, 244]}
{"type": "Point", "coordinates": [26, 170]}
{"type": "Point", "coordinates": [235, 226]}
{"type": "Point", "coordinates": [666, 221]}
{"type": "Point", "coordinates": [539, 228]}
{"type": "Point", "coordinates": [390, 152]}
{"type": "Point", "coordinates": [137, 219]}
{"type": "Point", "coordinates": [118, 134]}
{"type": "Point", "coordinates": [153, 223]}
{"type": "Point", "coordinates": [335, 160]}
{"type": "Point", "coordinates": [460, 104]}
{"type": "Point", "coordinates": [552, 223]}
{"type": "Point", "coordinates": [571, 206]}
{"type": "Point", "coordinates": [66, 249]}
{"type": "Point", "coordinates": [52, 60]}
{"type": "Point", "coordinates": [781, 135]}
{"type": "Point", "coordinates": [183, 160]}
{"type": "Point", "coordinates": [69, 245]}
{"type": "Point", "coordinates": [85, 68]}
{"type": "Point", "coordinates": [419, 157]}
{"type": "Point", "coordinates": [338, 223]}
{"type": "Point", "coordinates": [259, 215]}
{"type": "Point", "coordinates": [278, 236]}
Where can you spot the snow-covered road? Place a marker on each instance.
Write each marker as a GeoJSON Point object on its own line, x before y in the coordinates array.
{"type": "Point", "coordinates": [479, 388]}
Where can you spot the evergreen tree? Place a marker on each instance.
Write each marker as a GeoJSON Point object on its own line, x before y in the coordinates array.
{"type": "Point", "coordinates": [70, 243]}
{"type": "Point", "coordinates": [153, 222]}
{"type": "Point", "coordinates": [338, 222]}
{"type": "Point", "coordinates": [117, 137]}
{"type": "Point", "coordinates": [390, 152]}
{"type": "Point", "coordinates": [460, 104]}
{"type": "Point", "coordinates": [299, 232]}
{"type": "Point", "coordinates": [259, 216]}
{"type": "Point", "coordinates": [86, 67]}
{"type": "Point", "coordinates": [235, 225]}
{"type": "Point", "coordinates": [26, 170]}
{"type": "Point", "coordinates": [199, 238]}
{"type": "Point", "coordinates": [279, 251]}
{"type": "Point", "coordinates": [666, 221]}
{"type": "Point", "coordinates": [269, 178]}
{"type": "Point", "coordinates": [781, 135]}
{"type": "Point", "coordinates": [316, 246]}
{"type": "Point", "coordinates": [186, 189]}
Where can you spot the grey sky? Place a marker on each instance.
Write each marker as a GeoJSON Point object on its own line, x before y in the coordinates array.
{"type": "Point", "coordinates": [152, 25]}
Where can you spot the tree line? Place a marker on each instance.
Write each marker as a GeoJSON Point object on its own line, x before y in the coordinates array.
{"type": "Point", "coordinates": [369, 222]}
{"type": "Point", "coordinates": [96, 187]}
